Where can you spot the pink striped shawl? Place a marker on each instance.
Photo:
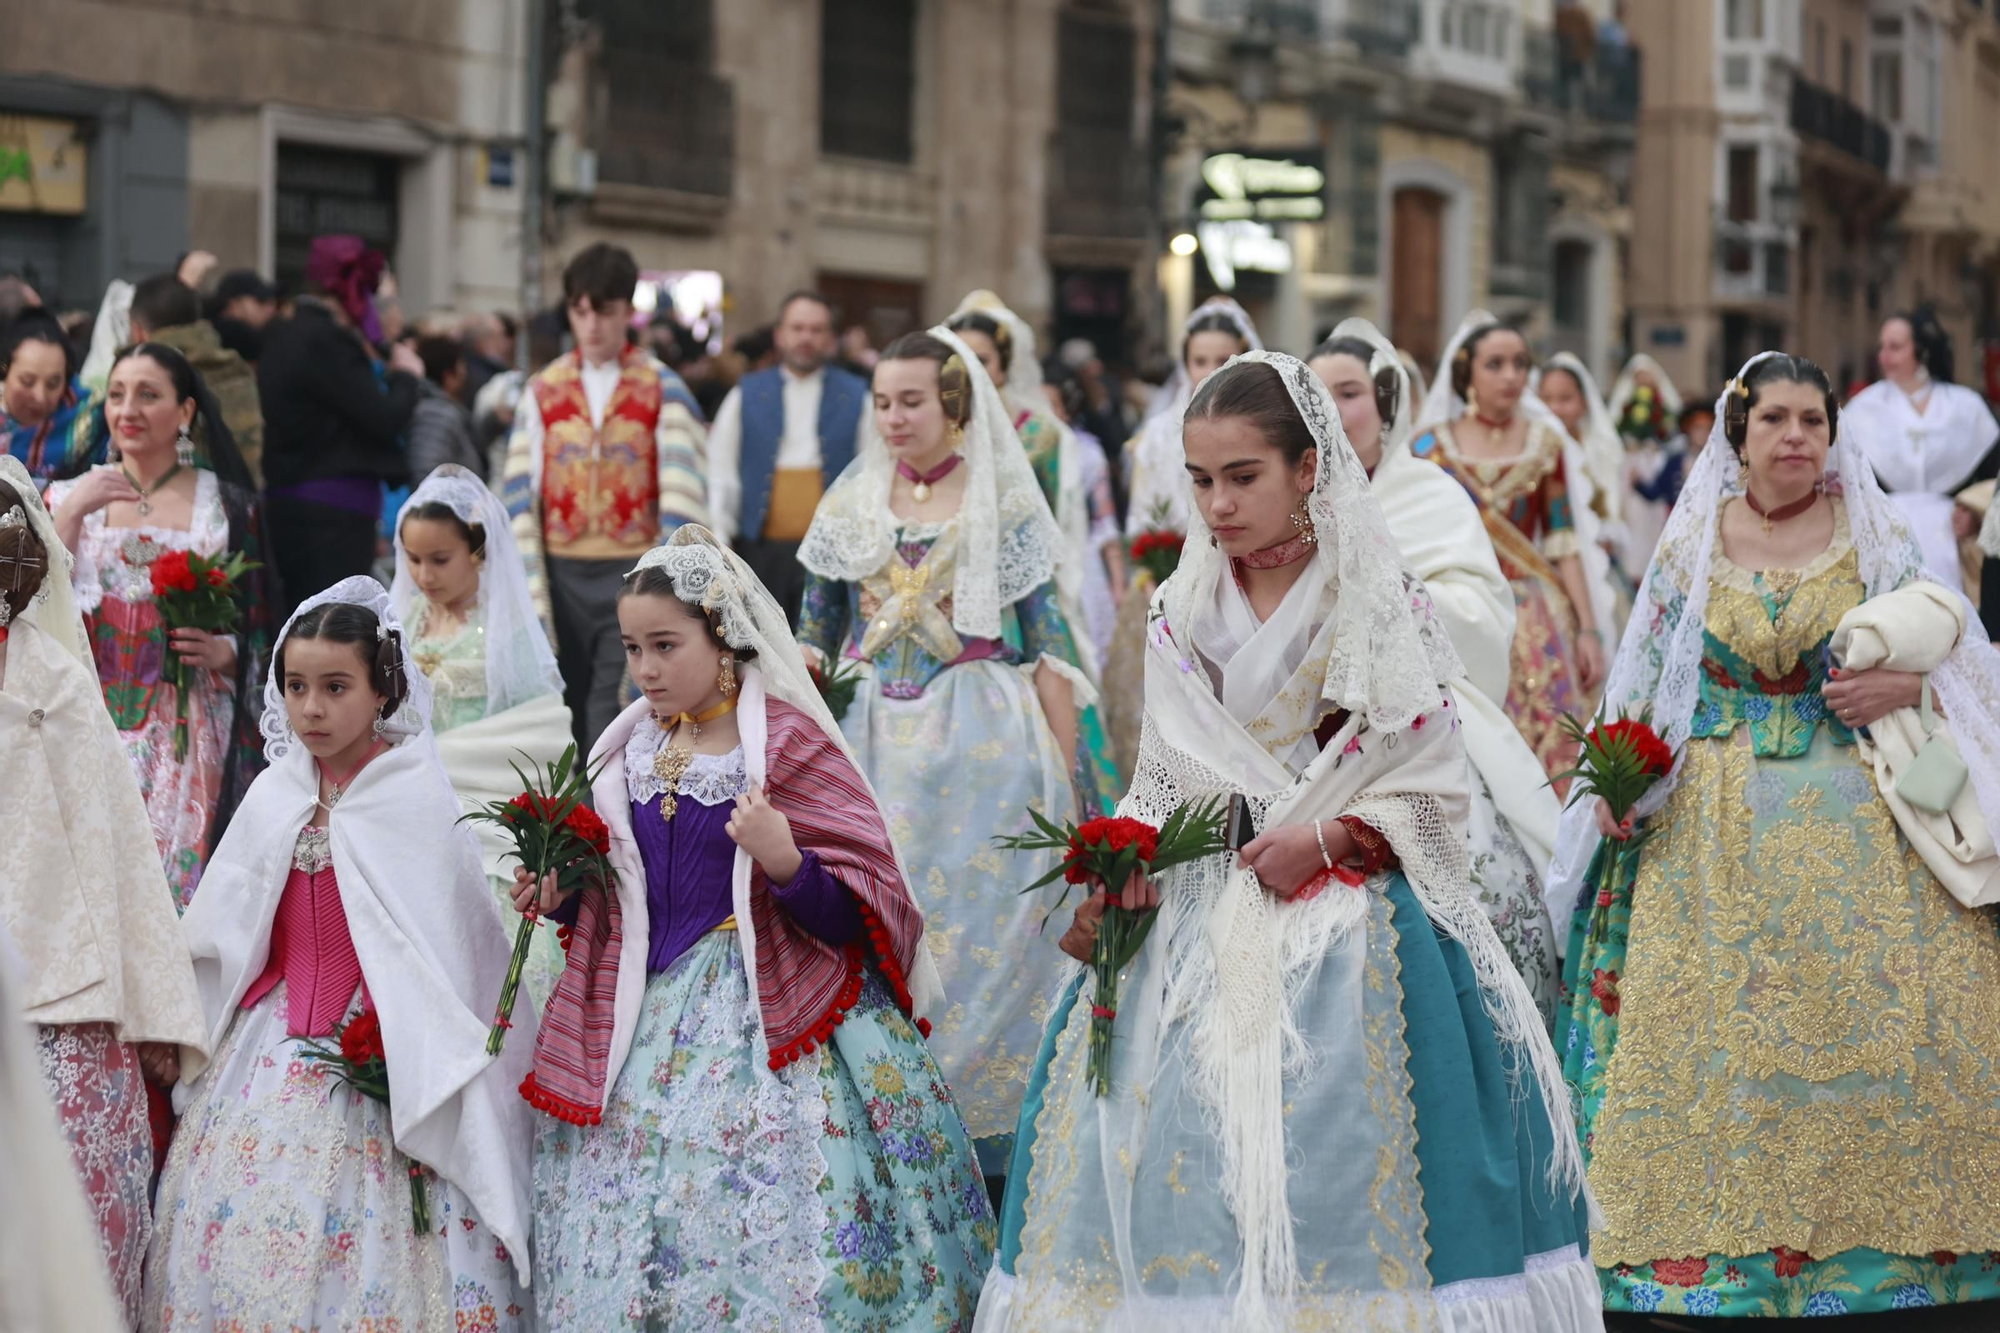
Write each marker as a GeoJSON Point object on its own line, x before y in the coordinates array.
{"type": "Point", "coordinates": [805, 985]}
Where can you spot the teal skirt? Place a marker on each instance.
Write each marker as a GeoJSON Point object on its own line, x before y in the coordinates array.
{"type": "Point", "coordinates": [1497, 1232]}
{"type": "Point", "coordinates": [838, 1193]}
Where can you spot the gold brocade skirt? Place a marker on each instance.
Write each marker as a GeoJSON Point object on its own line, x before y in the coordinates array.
{"type": "Point", "coordinates": [1806, 1054]}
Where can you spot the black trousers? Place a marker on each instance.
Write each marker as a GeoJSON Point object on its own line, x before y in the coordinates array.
{"type": "Point", "coordinates": [1989, 597]}
{"type": "Point", "coordinates": [315, 546]}
{"type": "Point", "coordinates": [777, 567]}
{"type": "Point", "coordinates": [583, 601]}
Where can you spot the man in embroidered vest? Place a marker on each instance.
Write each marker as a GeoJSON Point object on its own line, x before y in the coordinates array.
{"type": "Point", "coordinates": [605, 461]}
{"type": "Point", "coordinates": [779, 439]}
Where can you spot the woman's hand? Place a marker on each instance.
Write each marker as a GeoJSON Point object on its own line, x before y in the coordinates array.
{"type": "Point", "coordinates": [1607, 827]}
{"type": "Point", "coordinates": [1590, 659]}
{"type": "Point", "coordinates": [1286, 859]}
{"type": "Point", "coordinates": [545, 901]}
{"type": "Point", "coordinates": [1964, 523]}
{"type": "Point", "coordinates": [199, 648]}
{"type": "Point", "coordinates": [762, 830]}
{"type": "Point", "coordinates": [100, 486]}
{"type": "Point", "coordinates": [1863, 698]}
{"type": "Point", "coordinates": [161, 1062]}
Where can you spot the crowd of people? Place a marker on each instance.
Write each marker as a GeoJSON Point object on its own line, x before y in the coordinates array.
{"type": "Point", "coordinates": [1428, 1035]}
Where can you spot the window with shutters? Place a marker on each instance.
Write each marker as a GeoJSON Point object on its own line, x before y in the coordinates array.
{"type": "Point", "coordinates": [666, 120]}
{"type": "Point", "coordinates": [867, 79]}
{"type": "Point", "coordinates": [1097, 170]}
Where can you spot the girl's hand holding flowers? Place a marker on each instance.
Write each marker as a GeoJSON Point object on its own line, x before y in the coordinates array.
{"type": "Point", "coordinates": [762, 830]}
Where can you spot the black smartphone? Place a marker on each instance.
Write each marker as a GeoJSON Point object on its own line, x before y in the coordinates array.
{"type": "Point", "coordinates": [1239, 825]}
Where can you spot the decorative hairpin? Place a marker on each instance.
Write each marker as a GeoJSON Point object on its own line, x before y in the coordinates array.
{"type": "Point", "coordinates": [13, 518]}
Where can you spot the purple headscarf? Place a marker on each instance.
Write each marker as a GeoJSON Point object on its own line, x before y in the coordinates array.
{"type": "Point", "coordinates": [348, 272]}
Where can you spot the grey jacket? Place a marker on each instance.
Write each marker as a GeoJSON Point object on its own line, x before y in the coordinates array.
{"type": "Point", "coordinates": [441, 432]}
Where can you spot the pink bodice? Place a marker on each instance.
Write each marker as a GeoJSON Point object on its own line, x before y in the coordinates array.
{"type": "Point", "coordinates": [311, 949]}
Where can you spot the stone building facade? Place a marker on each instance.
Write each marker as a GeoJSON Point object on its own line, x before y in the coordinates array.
{"type": "Point", "coordinates": [246, 127]}
{"type": "Point", "coordinates": [1475, 153]}
{"type": "Point", "coordinates": [892, 153]}
{"type": "Point", "coordinates": [1807, 168]}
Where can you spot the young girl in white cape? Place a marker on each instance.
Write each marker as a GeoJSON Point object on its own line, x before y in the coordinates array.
{"type": "Point", "coordinates": [461, 592]}
{"type": "Point", "coordinates": [346, 886]}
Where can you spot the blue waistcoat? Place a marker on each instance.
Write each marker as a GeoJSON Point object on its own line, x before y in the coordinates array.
{"type": "Point", "coordinates": [840, 399]}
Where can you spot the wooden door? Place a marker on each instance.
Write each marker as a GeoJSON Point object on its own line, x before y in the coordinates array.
{"type": "Point", "coordinates": [883, 306]}
{"type": "Point", "coordinates": [1416, 279]}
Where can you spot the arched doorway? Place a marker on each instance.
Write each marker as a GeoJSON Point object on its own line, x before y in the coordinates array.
{"type": "Point", "coordinates": [1416, 278]}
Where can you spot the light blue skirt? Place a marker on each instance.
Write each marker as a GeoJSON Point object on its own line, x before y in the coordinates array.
{"type": "Point", "coordinates": [1506, 1252]}
{"type": "Point", "coordinates": [839, 1192]}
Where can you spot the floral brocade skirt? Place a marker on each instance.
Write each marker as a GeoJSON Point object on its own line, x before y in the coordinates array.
{"type": "Point", "coordinates": [1542, 680]}
{"type": "Point", "coordinates": [100, 1100]}
{"type": "Point", "coordinates": [953, 768]}
{"type": "Point", "coordinates": [285, 1204]}
{"type": "Point", "coordinates": [1780, 1027]}
{"type": "Point", "coordinates": [838, 1193]}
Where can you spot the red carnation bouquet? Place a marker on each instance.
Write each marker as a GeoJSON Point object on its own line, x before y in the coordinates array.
{"type": "Point", "coordinates": [1619, 761]}
{"type": "Point", "coordinates": [553, 832]}
{"type": "Point", "coordinates": [195, 592]}
{"type": "Point", "coordinates": [1157, 550]}
{"type": "Point", "coordinates": [358, 1059]}
{"type": "Point", "coordinates": [836, 686]}
{"type": "Point", "coordinates": [1109, 852]}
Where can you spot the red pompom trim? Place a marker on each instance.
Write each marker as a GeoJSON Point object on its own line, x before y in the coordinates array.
{"type": "Point", "coordinates": [562, 1108]}
{"type": "Point", "coordinates": [836, 1013]}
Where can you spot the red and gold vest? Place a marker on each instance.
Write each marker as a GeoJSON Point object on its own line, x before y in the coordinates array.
{"type": "Point", "coordinates": [600, 485]}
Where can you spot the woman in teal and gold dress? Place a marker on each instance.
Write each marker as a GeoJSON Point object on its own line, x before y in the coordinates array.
{"type": "Point", "coordinates": [932, 571]}
{"type": "Point", "coordinates": [1006, 347]}
{"type": "Point", "coordinates": [1781, 1022]}
{"type": "Point", "coordinates": [496, 696]}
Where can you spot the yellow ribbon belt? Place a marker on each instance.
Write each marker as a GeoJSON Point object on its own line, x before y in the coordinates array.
{"type": "Point", "coordinates": [908, 606]}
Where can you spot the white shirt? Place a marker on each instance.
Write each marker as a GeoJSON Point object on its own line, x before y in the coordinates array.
{"type": "Point", "coordinates": [799, 447]}
{"type": "Point", "coordinates": [1923, 457]}
{"type": "Point", "coordinates": [599, 383]}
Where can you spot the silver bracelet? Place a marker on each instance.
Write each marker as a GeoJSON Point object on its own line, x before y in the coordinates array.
{"type": "Point", "coordinates": [1324, 855]}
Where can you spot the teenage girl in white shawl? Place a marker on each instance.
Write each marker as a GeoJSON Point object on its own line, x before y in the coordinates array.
{"type": "Point", "coordinates": [461, 591]}
{"type": "Point", "coordinates": [1332, 1101]}
{"type": "Point", "coordinates": [1565, 386]}
{"type": "Point", "coordinates": [107, 987]}
{"type": "Point", "coordinates": [345, 885]}
{"type": "Point", "coordinates": [1512, 826]}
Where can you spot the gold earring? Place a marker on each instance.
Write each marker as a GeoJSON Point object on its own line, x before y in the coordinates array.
{"type": "Point", "coordinates": [1472, 400]}
{"type": "Point", "coordinates": [956, 434]}
{"type": "Point", "coordinates": [725, 679]}
{"type": "Point", "coordinates": [1302, 523]}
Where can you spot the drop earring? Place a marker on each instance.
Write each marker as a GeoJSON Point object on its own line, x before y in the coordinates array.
{"type": "Point", "coordinates": [1302, 524]}
{"type": "Point", "coordinates": [380, 722]}
{"type": "Point", "coordinates": [184, 447]}
{"type": "Point", "coordinates": [725, 678]}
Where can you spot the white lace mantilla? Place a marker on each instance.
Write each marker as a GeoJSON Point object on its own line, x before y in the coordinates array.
{"type": "Point", "coordinates": [711, 779]}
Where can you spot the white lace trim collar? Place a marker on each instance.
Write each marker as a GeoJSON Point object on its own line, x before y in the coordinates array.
{"type": "Point", "coordinates": [712, 779]}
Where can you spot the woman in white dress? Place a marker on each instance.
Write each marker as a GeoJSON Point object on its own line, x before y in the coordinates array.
{"type": "Point", "coordinates": [1512, 828]}
{"type": "Point", "coordinates": [1565, 386]}
{"type": "Point", "coordinates": [1157, 484]}
{"type": "Point", "coordinates": [1925, 436]}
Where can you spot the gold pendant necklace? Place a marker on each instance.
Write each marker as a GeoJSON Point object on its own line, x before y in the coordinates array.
{"type": "Point", "coordinates": [671, 763]}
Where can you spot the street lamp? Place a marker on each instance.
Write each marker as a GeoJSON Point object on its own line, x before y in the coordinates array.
{"type": "Point", "coordinates": [1253, 57]}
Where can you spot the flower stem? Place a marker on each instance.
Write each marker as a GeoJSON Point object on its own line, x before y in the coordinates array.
{"type": "Point", "coordinates": [510, 989]}
{"type": "Point", "coordinates": [420, 1204]}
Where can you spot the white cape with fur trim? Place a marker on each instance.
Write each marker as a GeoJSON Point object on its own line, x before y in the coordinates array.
{"type": "Point", "coordinates": [433, 952]}
{"type": "Point", "coordinates": [1915, 628]}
